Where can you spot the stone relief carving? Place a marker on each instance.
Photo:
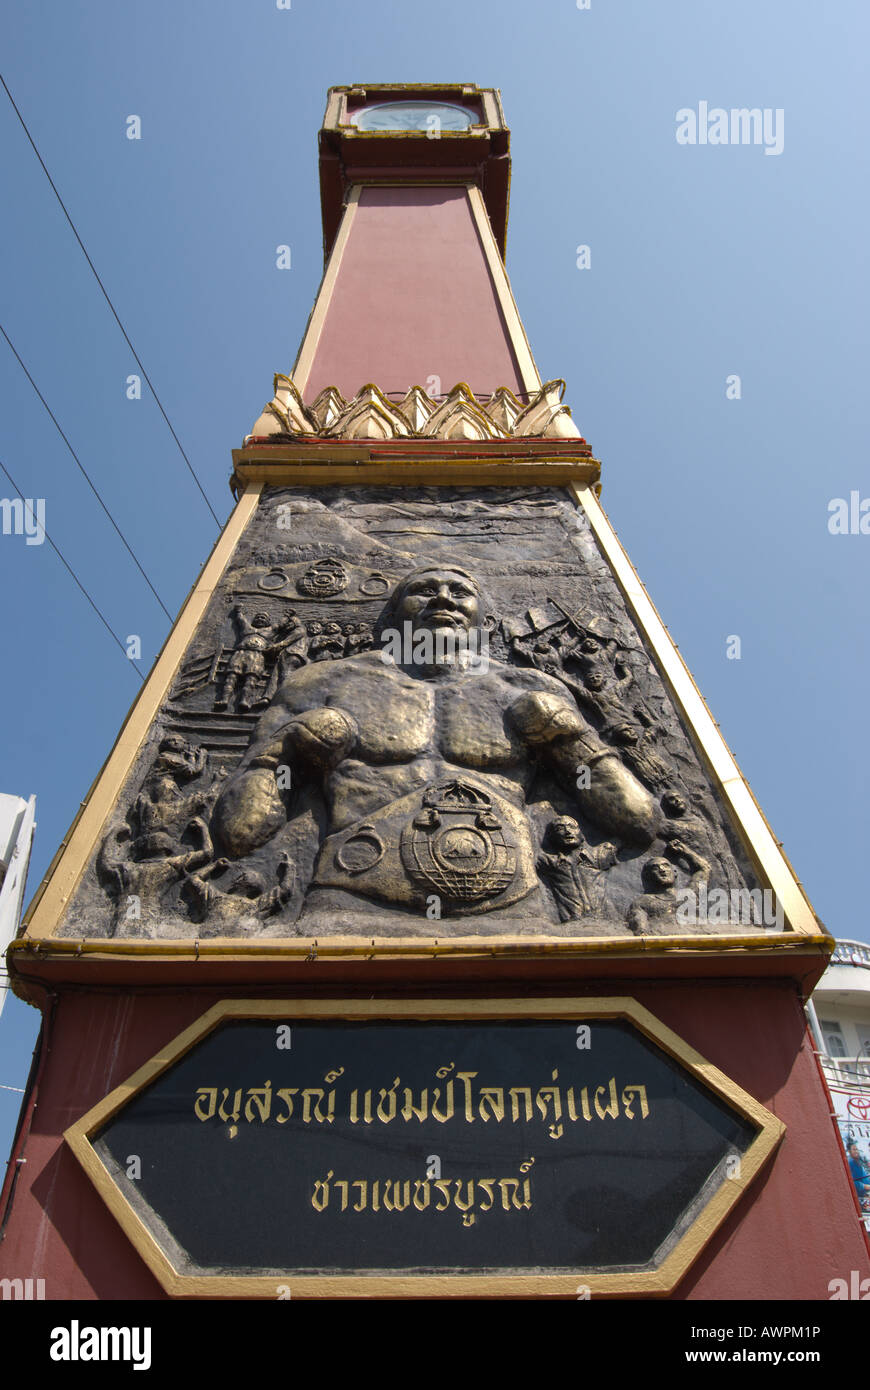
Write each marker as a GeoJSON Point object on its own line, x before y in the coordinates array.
{"type": "Point", "coordinates": [654, 912]}
{"type": "Point", "coordinates": [527, 776]}
{"type": "Point", "coordinates": [573, 869]}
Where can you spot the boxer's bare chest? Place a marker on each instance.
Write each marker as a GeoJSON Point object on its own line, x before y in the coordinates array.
{"type": "Point", "coordinates": [459, 720]}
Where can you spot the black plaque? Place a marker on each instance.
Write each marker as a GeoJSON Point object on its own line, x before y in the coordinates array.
{"type": "Point", "coordinates": [378, 1147]}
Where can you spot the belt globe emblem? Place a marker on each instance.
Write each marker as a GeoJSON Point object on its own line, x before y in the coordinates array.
{"type": "Point", "coordinates": [456, 845]}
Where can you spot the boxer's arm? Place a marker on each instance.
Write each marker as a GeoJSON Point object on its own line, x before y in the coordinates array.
{"type": "Point", "coordinates": [602, 785]}
{"type": "Point", "coordinates": [252, 806]}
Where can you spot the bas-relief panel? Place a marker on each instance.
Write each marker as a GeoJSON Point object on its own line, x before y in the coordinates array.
{"type": "Point", "coordinates": [416, 712]}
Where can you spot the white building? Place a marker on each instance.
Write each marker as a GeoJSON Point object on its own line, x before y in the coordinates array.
{"type": "Point", "coordinates": [17, 825]}
{"type": "Point", "coordinates": [839, 1013]}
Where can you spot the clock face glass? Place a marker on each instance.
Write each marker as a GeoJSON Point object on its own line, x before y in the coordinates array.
{"type": "Point", "coordinates": [413, 115]}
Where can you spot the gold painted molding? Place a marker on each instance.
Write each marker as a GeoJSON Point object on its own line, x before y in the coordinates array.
{"type": "Point", "coordinates": [529, 373]}
{"type": "Point", "coordinates": [284, 468]}
{"type": "Point", "coordinates": [383, 948]}
{"type": "Point", "coordinates": [764, 850]}
{"type": "Point", "coordinates": [650, 1283]}
{"type": "Point", "coordinates": [317, 317]}
{"type": "Point", "coordinates": [69, 863]}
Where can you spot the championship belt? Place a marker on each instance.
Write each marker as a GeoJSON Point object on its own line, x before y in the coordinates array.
{"type": "Point", "coordinates": [456, 845]}
{"type": "Point", "coordinates": [469, 847]}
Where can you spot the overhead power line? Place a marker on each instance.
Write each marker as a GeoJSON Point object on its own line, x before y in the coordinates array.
{"type": "Point", "coordinates": [71, 571]}
{"type": "Point", "coordinates": [85, 474]}
{"type": "Point", "coordinates": [110, 304]}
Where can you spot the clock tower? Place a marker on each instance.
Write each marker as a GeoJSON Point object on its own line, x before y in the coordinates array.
{"type": "Point", "coordinates": [420, 904]}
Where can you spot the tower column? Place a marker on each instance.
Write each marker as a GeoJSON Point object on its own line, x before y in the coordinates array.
{"type": "Point", "coordinates": [420, 904]}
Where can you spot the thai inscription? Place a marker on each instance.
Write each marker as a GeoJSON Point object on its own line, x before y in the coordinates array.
{"type": "Point", "coordinates": [427, 1145]}
{"type": "Point", "coordinates": [484, 1103]}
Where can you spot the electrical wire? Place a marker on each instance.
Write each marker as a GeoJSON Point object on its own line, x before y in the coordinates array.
{"type": "Point", "coordinates": [110, 304]}
{"type": "Point", "coordinates": [85, 474]}
{"type": "Point", "coordinates": [103, 620]}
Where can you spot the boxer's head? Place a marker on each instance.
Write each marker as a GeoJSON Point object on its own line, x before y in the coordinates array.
{"type": "Point", "coordinates": [438, 596]}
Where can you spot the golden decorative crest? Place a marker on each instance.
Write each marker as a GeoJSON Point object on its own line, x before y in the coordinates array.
{"type": "Point", "coordinates": [460, 415]}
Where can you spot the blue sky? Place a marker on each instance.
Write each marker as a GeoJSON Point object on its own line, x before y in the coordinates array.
{"type": "Point", "coordinates": [706, 261]}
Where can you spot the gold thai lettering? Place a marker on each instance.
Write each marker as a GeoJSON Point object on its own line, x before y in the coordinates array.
{"type": "Point", "coordinates": [261, 1097]}
{"type": "Point", "coordinates": [505, 1183]}
{"type": "Point", "coordinates": [307, 1107]}
{"type": "Point", "coordinates": [402, 1194]}
{"type": "Point", "coordinates": [584, 1104]}
{"type": "Point", "coordinates": [367, 1108]}
{"type": "Point", "coordinates": [494, 1096]}
{"type": "Point", "coordinates": [469, 1194]}
{"type": "Point", "coordinates": [466, 1077]}
{"type": "Point", "coordinates": [448, 1096]}
{"type": "Point", "coordinates": [409, 1109]}
{"type": "Point", "coordinates": [386, 1110]}
{"type": "Point", "coordinates": [550, 1096]}
{"type": "Point", "coordinates": [320, 1195]}
{"type": "Point", "coordinates": [488, 1185]}
{"type": "Point", "coordinates": [628, 1092]}
{"type": "Point", "coordinates": [286, 1094]}
{"type": "Point", "coordinates": [202, 1093]}
{"type": "Point", "coordinates": [393, 1202]}
{"type": "Point", "coordinates": [237, 1105]}
{"type": "Point", "coordinates": [443, 1187]}
{"type": "Point", "coordinates": [515, 1092]}
{"type": "Point", "coordinates": [549, 1104]}
{"type": "Point", "coordinates": [612, 1109]}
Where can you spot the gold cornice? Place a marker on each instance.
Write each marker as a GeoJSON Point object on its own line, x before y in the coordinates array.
{"type": "Point", "coordinates": [649, 1283]}
{"type": "Point", "coordinates": [459, 418]}
{"type": "Point", "coordinates": [297, 465]}
{"type": "Point", "coordinates": [278, 950]}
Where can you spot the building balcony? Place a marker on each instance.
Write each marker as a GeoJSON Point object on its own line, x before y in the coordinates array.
{"type": "Point", "coordinates": [847, 978]}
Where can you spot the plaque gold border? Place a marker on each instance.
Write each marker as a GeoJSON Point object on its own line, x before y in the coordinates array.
{"type": "Point", "coordinates": [647, 1283]}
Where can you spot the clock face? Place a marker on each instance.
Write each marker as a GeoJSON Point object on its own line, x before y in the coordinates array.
{"type": "Point", "coordinates": [413, 115]}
